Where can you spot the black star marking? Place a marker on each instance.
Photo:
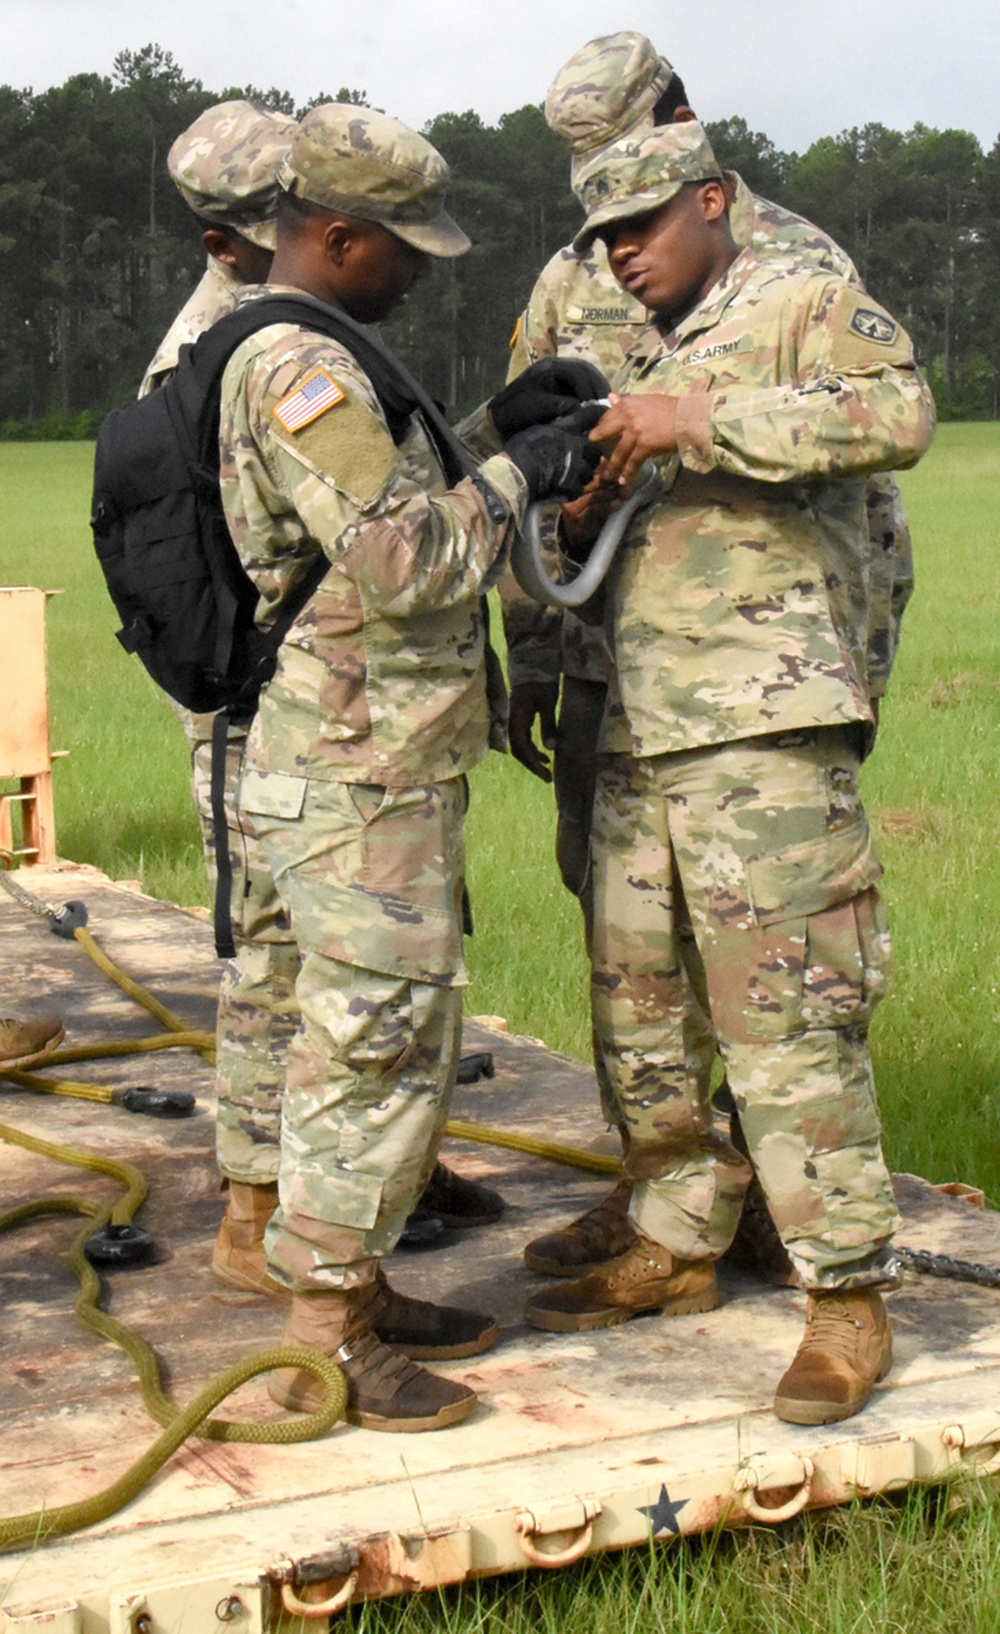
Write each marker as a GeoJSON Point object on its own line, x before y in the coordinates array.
{"type": "Point", "coordinates": [663, 1514]}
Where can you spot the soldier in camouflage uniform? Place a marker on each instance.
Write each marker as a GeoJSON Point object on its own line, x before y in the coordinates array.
{"type": "Point", "coordinates": [355, 772]}
{"type": "Point", "coordinates": [729, 839]}
{"type": "Point", "coordinates": [612, 86]}
{"type": "Point", "coordinates": [225, 167]}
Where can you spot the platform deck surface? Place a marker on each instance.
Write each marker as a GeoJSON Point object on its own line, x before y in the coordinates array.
{"type": "Point", "coordinates": [652, 1412]}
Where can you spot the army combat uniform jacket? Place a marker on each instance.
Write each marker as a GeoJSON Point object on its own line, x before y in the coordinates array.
{"type": "Point", "coordinates": [740, 601]}
{"type": "Point", "coordinates": [578, 309]}
{"type": "Point", "coordinates": [381, 677]}
{"type": "Point", "coordinates": [217, 293]}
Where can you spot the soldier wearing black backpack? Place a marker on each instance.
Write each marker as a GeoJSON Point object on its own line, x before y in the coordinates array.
{"type": "Point", "coordinates": [225, 168]}
{"type": "Point", "coordinates": [355, 771]}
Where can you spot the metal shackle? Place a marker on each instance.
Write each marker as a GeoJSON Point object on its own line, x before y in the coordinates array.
{"type": "Point", "coordinates": [527, 557]}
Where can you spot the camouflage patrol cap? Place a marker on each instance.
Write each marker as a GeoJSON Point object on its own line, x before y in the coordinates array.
{"type": "Point", "coordinates": [609, 87]}
{"type": "Point", "coordinates": [365, 164]}
{"type": "Point", "coordinates": [639, 173]}
{"type": "Point", "coordinates": [225, 167]}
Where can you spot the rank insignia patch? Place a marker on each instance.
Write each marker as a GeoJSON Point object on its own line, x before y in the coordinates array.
{"type": "Point", "coordinates": [307, 402]}
{"type": "Point", "coordinates": [874, 326]}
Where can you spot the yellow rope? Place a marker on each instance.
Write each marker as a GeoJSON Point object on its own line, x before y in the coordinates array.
{"type": "Point", "coordinates": [189, 1039]}
{"type": "Point", "coordinates": [572, 1156]}
{"type": "Point", "coordinates": [20, 1531]}
{"type": "Point", "coordinates": [74, 1088]}
{"type": "Point", "coordinates": [28, 1530]}
{"type": "Point", "coordinates": [135, 990]}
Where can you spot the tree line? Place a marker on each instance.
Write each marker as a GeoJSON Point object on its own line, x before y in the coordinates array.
{"type": "Point", "coordinates": [98, 251]}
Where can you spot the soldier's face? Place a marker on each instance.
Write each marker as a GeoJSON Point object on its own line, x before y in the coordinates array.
{"type": "Point", "coordinates": [670, 258]}
{"type": "Point", "coordinates": [377, 271]}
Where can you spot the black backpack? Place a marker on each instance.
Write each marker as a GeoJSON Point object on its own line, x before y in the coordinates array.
{"type": "Point", "coordinates": [187, 606]}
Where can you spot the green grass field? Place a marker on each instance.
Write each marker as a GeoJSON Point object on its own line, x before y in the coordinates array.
{"type": "Point", "coordinates": [122, 802]}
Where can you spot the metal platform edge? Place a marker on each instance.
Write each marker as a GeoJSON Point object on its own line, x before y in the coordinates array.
{"type": "Point", "coordinates": [669, 1500]}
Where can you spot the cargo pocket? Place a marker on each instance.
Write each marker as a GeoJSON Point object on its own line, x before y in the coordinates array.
{"type": "Point", "coordinates": [821, 943]}
{"type": "Point", "coordinates": [271, 794]}
{"type": "Point", "coordinates": [317, 1203]}
{"type": "Point", "coordinates": [400, 902]}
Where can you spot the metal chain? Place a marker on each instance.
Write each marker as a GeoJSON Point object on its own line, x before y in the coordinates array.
{"type": "Point", "coordinates": [945, 1265]}
{"type": "Point", "coordinates": [42, 909]}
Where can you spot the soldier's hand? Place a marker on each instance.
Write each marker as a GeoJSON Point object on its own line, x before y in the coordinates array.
{"type": "Point", "coordinates": [550, 388]}
{"type": "Point", "coordinates": [533, 701]}
{"type": "Point", "coordinates": [582, 519]}
{"type": "Point", "coordinates": [637, 427]}
{"type": "Point", "coordinates": [554, 462]}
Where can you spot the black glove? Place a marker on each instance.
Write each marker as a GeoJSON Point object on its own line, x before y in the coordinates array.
{"type": "Point", "coordinates": [551, 387]}
{"type": "Point", "coordinates": [553, 462]}
{"type": "Point", "coordinates": [583, 418]}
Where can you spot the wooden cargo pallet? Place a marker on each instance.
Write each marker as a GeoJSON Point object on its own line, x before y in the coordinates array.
{"type": "Point", "coordinates": [582, 1443]}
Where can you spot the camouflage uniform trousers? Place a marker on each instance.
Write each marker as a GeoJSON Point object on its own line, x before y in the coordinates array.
{"type": "Point", "coordinates": [372, 882]}
{"type": "Point", "coordinates": [574, 779]}
{"type": "Point", "coordinates": [574, 776]}
{"type": "Point", "coordinates": [743, 875]}
{"type": "Point", "coordinates": [258, 1013]}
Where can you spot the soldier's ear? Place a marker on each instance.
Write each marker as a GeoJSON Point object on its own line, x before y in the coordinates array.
{"type": "Point", "coordinates": [338, 240]}
{"type": "Point", "coordinates": [714, 202]}
{"type": "Point", "coordinates": [219, 246]}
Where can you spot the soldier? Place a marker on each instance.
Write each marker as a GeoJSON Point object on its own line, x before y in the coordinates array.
{"type": "Point", "coordinates": [614, 85]}
{"type": "Point", "coordinates": [729, 834]}
{"type": "Point", "coordinates": [225, 168]}
{"type": "Point", "coordinates": [355, 776]}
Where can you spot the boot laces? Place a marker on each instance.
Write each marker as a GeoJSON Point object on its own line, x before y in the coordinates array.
{"type": "Point", "coordinates": [610, 1214]}
{"type": "Point", "coordinates": [832, 1329]}
{"type": "Point", "coordinates": [379, 1363]}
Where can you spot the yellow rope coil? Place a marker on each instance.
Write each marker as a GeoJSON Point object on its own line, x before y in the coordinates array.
{"type": "Point", "coordinates": [21, 1531]}
{"type": "Point", "coordinates": [24, 1531]}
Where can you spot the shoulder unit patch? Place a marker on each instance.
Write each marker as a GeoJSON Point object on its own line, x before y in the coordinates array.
{"type": "Point", "coordinates": [874, 326]}
{"type": "Point", "coordinates": [316, 394]}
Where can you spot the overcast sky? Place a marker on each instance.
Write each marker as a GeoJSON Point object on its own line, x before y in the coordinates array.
{"type": "Point", "coordinates": [796, 69]}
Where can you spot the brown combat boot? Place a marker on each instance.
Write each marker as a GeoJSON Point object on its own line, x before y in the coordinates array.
{"type": "Point", "coordinates": [426, 1332]}
{"type": "Point", "coordinates": [601, 1234]}
{"type": "Point", "coordinates": [385, 1390]}
{"type": "Point", "coordinates": [646, 1279]}
{"type": "Point", "coordinates": [422, 1331]}
{"type": "Point", "coordinates": [458, 1202]}
{"type": "Point", "coordinates": [846, 1350]}
{"type": "Point", "coordinates": [22, 1043]}
{"type": "Point", "coordinates": [238, 1258]}
{"type": "Point", "coordinates": [757, 1247]}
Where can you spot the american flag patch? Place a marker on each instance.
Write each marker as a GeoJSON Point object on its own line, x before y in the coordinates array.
{"type": "Point", "coordinates": [308, 401]}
